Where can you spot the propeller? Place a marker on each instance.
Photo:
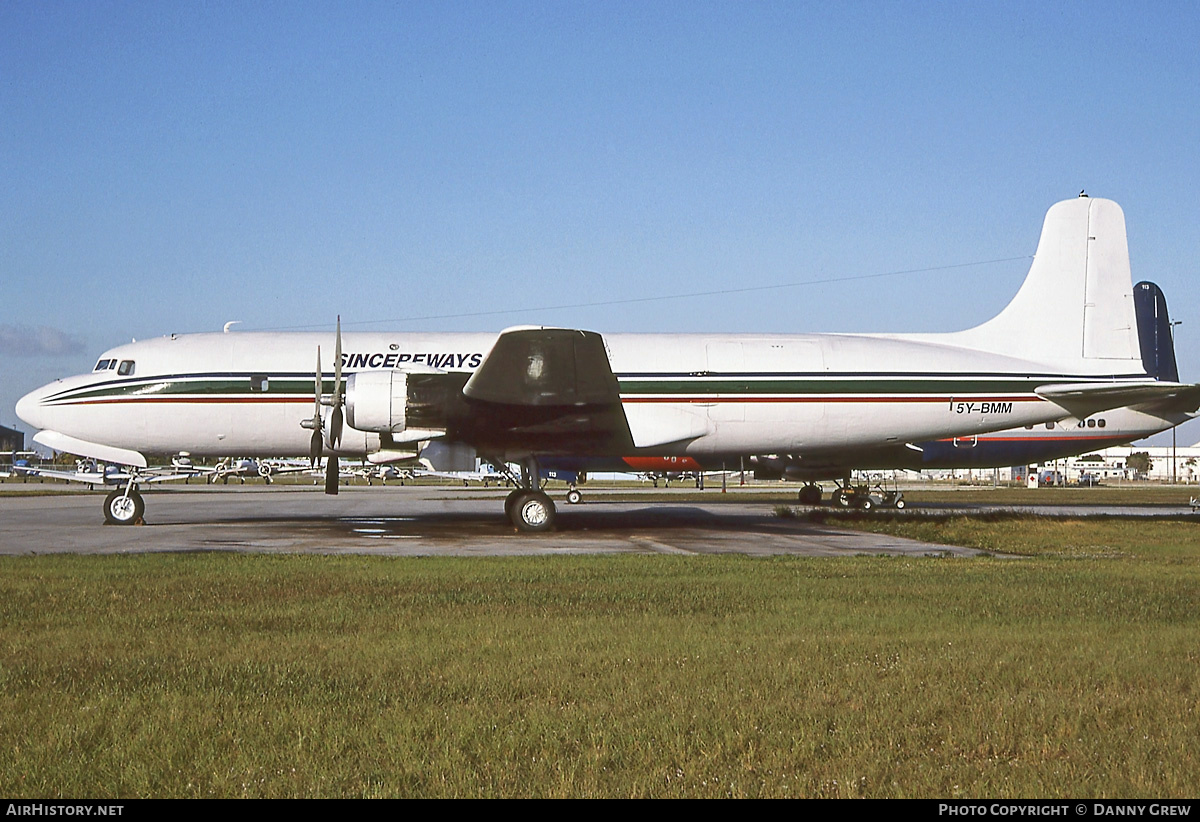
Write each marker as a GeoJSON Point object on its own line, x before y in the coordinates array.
{"type": "Point", "coordinates": [335, 416]}
{"type": "Point", "coordinates": [332, 437]}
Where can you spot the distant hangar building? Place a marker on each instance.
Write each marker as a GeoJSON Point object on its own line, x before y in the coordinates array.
{"type": "Point", "coordinates": [11, 439]}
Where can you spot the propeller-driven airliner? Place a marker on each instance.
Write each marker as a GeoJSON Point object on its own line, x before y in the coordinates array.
{"type": "Point", "coordinates": [1075, 340]}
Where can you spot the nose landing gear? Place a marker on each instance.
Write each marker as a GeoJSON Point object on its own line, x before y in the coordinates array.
{"type": "Point", "coordinates": [124, 506]}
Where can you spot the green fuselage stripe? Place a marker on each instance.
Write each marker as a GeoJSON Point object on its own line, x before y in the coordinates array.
{"type": "Point", "coordinates": [630, 388]}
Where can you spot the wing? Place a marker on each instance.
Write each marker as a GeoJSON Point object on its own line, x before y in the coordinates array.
{"type": "Point", "coordinates": [547, 390]}
{"type": "Point", "coordinates": [554, 390]}
{"type": "Point", "coordinates": [545, 367]}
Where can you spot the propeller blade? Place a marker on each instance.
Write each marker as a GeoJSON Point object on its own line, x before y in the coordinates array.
{"type": "Point", "coordinates": [317, 386]}
{"type": "Point", "coordinates": [335, 421]}
{"type": "Point", "coordinates": [314, 444]}
{"type": "Point", "coordinates": [314, 449]}
{"type": "Point", "coordinates": [335, 426]}
{"type": "Point", "coordinates": [331, 475]}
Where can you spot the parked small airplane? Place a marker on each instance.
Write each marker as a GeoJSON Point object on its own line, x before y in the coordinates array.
{"type": "Point", "coordinates": [241, 469]}
{"type": "Point", "coordinates": [15, 461]}
{"type": "Point", "coordinates": [529, 393]}
{"type": "Point", "coordinates": [485, 478]}
{"type": "Point", "coordinates": [383, 473]}
{"type": "Point", "coordinates": [91, 473]}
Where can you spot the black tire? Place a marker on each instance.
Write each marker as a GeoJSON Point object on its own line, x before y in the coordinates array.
{"type": "Point", "coordinates": [841, 498]}
{"type": "Point", "coordinates": [574, 496]}
{"type": "Point", "coordinates": [866, 504]}
{"type": "Point", "coordinates": [900, 504]}
{"type": "Point", "coordinates": [123, 510]}
{"type": "Point", "coordinates": [533, 512]}
{"type": "Point", "coordinates": [509, 502]}
{"type": "Point", "coordinates": [810, 495]}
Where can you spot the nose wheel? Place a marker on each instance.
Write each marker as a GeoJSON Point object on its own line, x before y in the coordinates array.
{"type": "Point", "coordinates": [123, 507]}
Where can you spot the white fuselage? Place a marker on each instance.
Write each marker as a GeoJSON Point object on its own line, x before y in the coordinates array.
{"type": "Point", "coordinates": [245, 394]}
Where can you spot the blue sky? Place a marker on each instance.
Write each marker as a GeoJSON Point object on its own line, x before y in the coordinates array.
{"type": "Point", "coordinates": [168, 167]}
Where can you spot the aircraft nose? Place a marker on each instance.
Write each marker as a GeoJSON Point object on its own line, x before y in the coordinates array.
{"type": "Point", "coordinates": [30, 409]}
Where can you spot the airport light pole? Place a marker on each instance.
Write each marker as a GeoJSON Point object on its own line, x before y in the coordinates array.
{"type": "Point", "coordinates": [1174, 475]}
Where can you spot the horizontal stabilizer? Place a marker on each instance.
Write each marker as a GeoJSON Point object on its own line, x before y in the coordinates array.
{"type": "Point", "coordinates": [92, 450]}
{"type": "Point", "coordinates": [1186, 402]}
{"type": "Point", "coordinates": [545, 367]}
{"type": "Point", "coordinates": [1082, 399]}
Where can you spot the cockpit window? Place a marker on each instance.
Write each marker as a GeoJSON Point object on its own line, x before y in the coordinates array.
{"type": "Point", "coordinates": [126, 368]}
{"type": "Point", "coordinates": [104, 365]}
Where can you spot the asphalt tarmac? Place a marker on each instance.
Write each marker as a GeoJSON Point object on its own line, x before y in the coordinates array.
{"type": "Point", "coordinates": [419, 521]}
{"type": "Point", "coordinates": [449, 521]}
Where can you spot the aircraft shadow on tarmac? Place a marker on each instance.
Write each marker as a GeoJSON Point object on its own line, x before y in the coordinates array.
{"type": "Point", "coordinates": [460, 526]}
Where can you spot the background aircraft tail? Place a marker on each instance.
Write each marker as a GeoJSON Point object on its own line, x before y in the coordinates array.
{"type": "Point", "coordinates": [1075, 309]}
{"type": "Point", "coordinates": [1154, 332]}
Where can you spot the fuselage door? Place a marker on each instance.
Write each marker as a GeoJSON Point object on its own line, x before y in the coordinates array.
{"type": "Point", "coordinates": [724, 386]}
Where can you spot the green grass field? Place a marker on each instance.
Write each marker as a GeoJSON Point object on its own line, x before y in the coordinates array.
{"type": "Point", "coordinates": [1071, 671]}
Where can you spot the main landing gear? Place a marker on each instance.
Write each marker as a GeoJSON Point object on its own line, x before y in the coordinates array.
{"type": "Point", "coordinates": [810, 495]}
{"type": "Point", "coordinates": [528, 508]}
{"type": "Point", "coordinates": [865, 497]}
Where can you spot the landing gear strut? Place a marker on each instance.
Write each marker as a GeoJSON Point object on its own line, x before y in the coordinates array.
{"type": "Point", "coordinates": [528, 507]}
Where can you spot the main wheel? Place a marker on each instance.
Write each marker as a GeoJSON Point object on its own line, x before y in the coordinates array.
{"type": "Point", "coordinates": [574, 496]}
{"type": "Point", "coordinates": [810, 495]}
{"type": "Point", "coordinates": [533, 511]}
{"type": "Point", "coordinates": [120, 509]}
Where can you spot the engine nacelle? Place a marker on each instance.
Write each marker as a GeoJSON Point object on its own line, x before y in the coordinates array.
{"type": "Point", "coordinates": [768, 467]}
{"type": "Point", "coordinates": [377, 401]}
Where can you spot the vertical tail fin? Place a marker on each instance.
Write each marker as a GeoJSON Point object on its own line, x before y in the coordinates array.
{"type": "Point", "coordinates": [1075, 309]}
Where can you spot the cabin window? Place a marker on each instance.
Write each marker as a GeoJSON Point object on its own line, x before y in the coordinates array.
{"type": "Point", "coordinates": [258, 382]}
{"type": "Point", "coordinates": [1091, 423]}
{"type": "Point", "coordinates": [126, 368]}
{"type": "Point", "coordinates": [1049, 426]}
{"type": "Point", "coordinates": [1101, 422]}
